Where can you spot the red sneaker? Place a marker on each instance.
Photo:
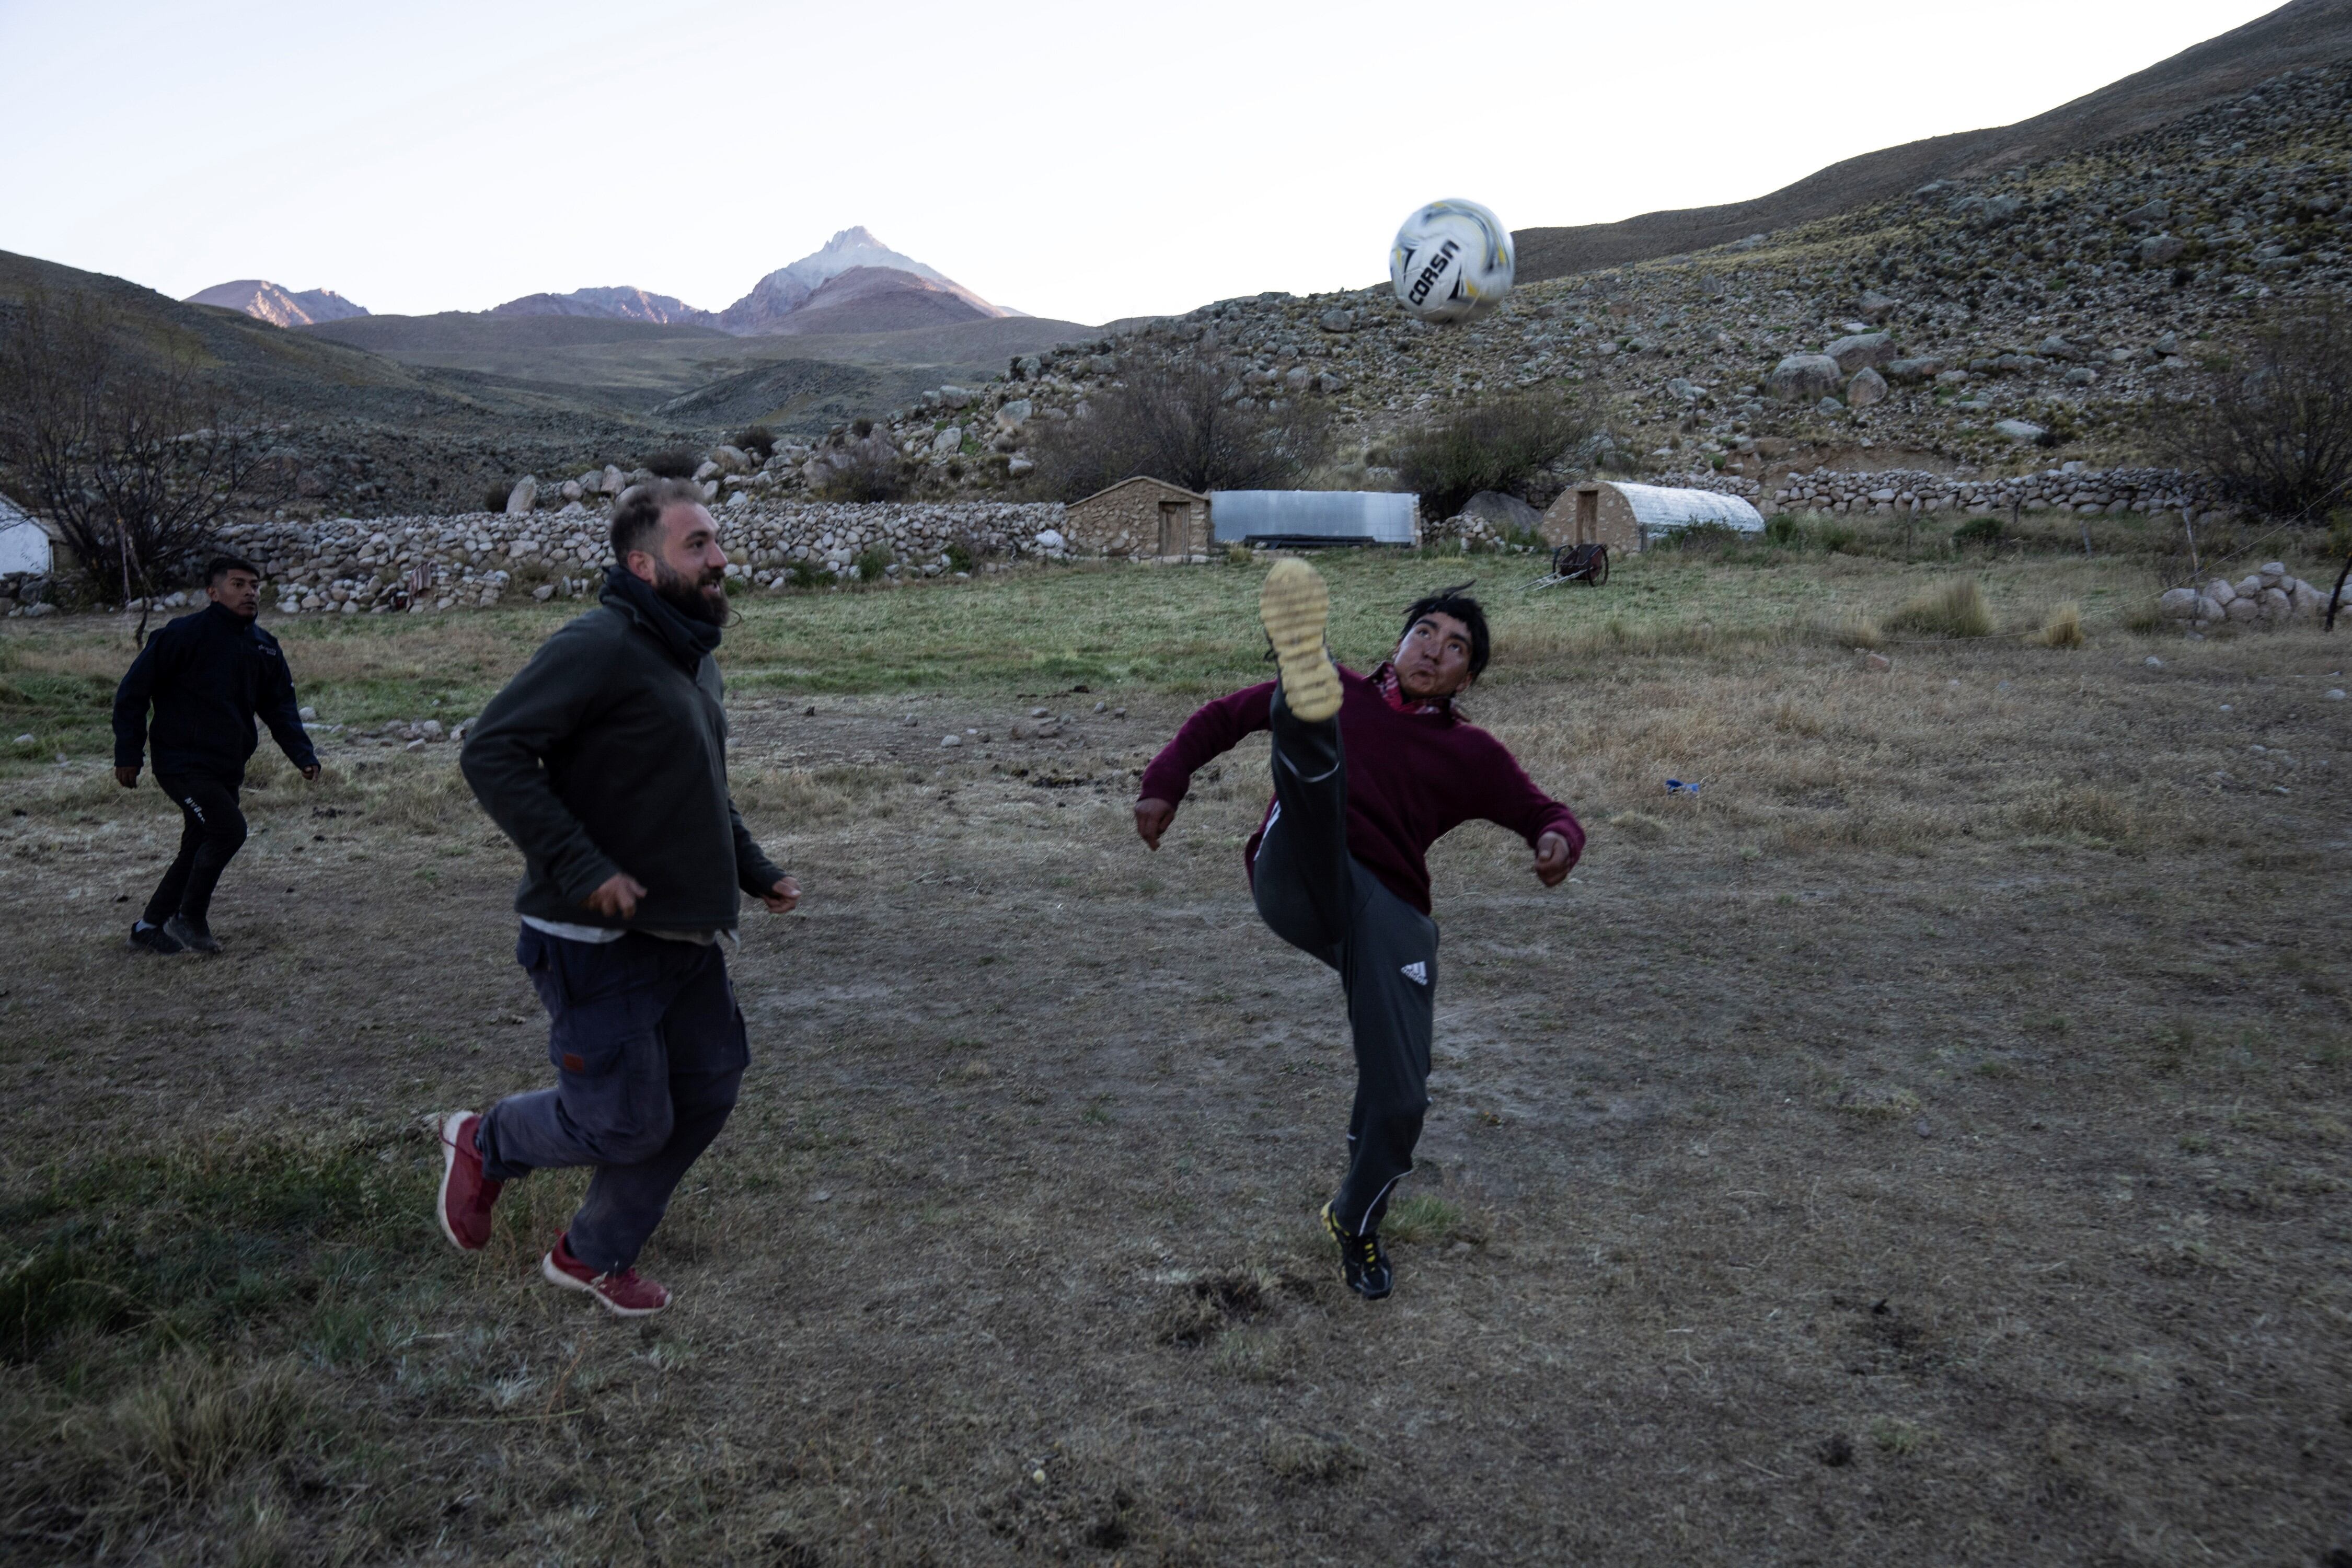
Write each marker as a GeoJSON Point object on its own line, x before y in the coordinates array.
{"type": "Point", "coordinates": [467, 1194]}
{"type": "Point", "coordinates": [626, 1293]}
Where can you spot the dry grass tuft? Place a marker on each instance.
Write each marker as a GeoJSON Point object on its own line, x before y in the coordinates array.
{"type": "Point", "coordinates": [1309, 1457]}
{"type": "Point", "coordinates": [2062, 628]}
{"type": "Point", "coordinates": [1638, 825]}
{"type": "Point", "coordinates": [195, 1423]}
{"type": "Point", "coordinates": [1957, 610]}
{"type": "Point", "coordinates": [2078, 811]}
{"type": "Point", "coordinates": [1420, 1216]}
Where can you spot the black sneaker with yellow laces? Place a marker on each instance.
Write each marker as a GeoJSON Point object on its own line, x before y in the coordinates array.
{"type": "Point", "coordinates": [1361, 1262]}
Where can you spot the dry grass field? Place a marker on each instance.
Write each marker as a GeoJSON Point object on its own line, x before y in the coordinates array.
{"type": "Point", "coordinates": [1929, 1144]}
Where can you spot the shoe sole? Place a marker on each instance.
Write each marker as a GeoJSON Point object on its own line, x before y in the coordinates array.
{"type": "Point", "coordinates": [188, 946]}
{"type": "Point", "coordinates": [135, 945]}
{"type": "Point", "coordinates": [558, 1276]}
{"type": "Point", "coordinates": [1294, 606]}
{"type": "Point", "coordinates": [449, 1125]}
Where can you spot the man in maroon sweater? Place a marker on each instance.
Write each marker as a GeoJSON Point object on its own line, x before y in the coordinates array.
{"type": "Point", "coordinates": [1369, 771]}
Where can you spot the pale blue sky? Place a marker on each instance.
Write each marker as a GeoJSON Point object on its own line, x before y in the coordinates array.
{"type": "Point", "coordinates": [1087, 161]}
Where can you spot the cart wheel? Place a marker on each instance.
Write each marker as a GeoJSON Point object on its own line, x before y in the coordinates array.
{"type": "Point", "coordinates": [1599, 573]}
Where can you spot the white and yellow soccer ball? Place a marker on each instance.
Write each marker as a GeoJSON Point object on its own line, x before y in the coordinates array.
{"type": "Point", "coordinates": [1451, 260]}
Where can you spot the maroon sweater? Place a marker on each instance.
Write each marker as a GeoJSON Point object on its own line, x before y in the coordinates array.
{"type": "Point", "coordinates": [1412, 779]}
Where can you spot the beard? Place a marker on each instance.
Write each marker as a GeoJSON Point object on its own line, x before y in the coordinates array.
{"type": "Point", "coordinates": [699, 598]}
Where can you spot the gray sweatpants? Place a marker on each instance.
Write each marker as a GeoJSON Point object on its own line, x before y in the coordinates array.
{"type": "Point", "coordinates": [1315, 896]}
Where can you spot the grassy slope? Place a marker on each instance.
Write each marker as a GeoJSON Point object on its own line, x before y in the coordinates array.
{"type": "Point", "coordinates": [1180, 631]}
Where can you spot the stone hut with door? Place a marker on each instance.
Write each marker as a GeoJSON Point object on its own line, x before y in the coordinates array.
{"type": "Point", "coordinates": [1142, 519]}
{"type": "Point", "coordinates": [1629, 517]}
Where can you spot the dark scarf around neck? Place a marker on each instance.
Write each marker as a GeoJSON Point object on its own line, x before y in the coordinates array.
{"type": "Point", "coordinates": [683, 638]}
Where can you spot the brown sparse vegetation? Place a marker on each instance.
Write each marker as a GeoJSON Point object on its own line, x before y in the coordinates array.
{"type": "Point", "coordinates": [1181, 419]}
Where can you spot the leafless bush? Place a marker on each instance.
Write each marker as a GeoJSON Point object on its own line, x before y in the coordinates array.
{"type": "Point", "coordinates": [2274, 425]}
{"type": "Point", "coordinates": [1181, 419]}
{"type": "Point", "coordinates": [1504, 444]}
{"type": "Point", "coordinates": [122, 444]}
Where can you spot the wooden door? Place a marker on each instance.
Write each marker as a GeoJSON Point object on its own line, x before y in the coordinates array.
{"type": "Point", "coordinates": [1588, 516]}
{"type": "Point", "coordinates": [1175, 527]}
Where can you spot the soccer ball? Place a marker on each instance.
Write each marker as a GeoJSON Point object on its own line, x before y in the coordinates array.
{"type": "Point", "coordinates": [1451, 260]}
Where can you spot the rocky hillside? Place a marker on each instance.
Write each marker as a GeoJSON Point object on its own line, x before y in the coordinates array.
{"type": "Point", "coordinates": [277, 305]}
{"type": "Point", "coordinates": [1968, 323]}
{"type": "Point", "coordinates": [2305, 32]}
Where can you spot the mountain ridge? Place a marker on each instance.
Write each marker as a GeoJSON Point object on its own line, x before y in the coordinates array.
{"type": "Point", "coordinates": [277, 304]}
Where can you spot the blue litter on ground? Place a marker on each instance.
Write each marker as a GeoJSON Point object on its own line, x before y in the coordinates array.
{"type": "Point", "coordinates": [1676, 786]}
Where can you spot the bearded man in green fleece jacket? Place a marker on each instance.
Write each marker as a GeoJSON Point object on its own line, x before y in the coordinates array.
{"type": "Point", "coordinates": [605, 761]}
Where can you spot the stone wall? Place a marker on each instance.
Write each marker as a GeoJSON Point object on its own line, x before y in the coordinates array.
{"type": "Point", "coordinates": [2265, 598]}
{"type": "Point", "coordinates": [350, 565]}
{"type": "Point", "coordinates": [2071, 488]}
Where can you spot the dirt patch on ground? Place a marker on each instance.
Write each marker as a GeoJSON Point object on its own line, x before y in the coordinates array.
{"type": "Point", "coordinates": [1928, 1144]}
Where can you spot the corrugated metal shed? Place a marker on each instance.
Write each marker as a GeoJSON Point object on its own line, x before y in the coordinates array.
{"type": "Point", "coordinates": [23, 543]}
{"type": "Point", "coordinates": [1658, 510]}
{"type": "Point", "coordinates": [1314, 517]}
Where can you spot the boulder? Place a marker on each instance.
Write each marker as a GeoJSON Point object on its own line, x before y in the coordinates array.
{"type": "Point", "coordinates": [1829, 408]}
{"type": "Point", "coordinates": [1338, 321]}
{"type": "Point", "coordinates": [614, 481]}
{"type": "Point", "coordinates": [1014, 414]}
{"type": "Point", "coordinates": [1866, 388]}
{"type": "Point", "coordinates": [2000, 208]}
{"type": "Point", "coordinates": [948, 440]}
{"type": "Point", "coordinates": [1905, 371]}
{"type": "Point", "coordinates": [1503, 513]}
{"type": "Point", "coordinates": [1862, 350]}
{"type": "Point", "coordinates": [1683, 388]}
{"type": "Point", "coordinates": [706, 470]}
{"type": "Point", "coordinates": [2272, 573]}
{"type": "Point", "coordinates": [2244, 607]}
{"type": "Point", "coordinates": [2179, 604]}
{"type": "Point", "coordinates": [1050, 540]}
{"type": "Point", "coordinates": [2157, 211]}
{"type": "Point", "coordinates": [2018, 429]}
{"type": "Point", "coordinates": [732, 460]}
{"type": "Point", "coordinates": [2056, 347]}
{"type": "Point", "coordinates": [523, 496]}
{"type": "Point", "coordinates": [2220, 591]}
{"type": "Point", "coordinates": [1876, 307]}
{"type": "Point", "coordinates": [2158, 250]}
{"type": "Point", "coordinates": [1801, 378]}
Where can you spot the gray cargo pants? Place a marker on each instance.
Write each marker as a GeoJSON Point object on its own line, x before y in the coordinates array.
{"type": "Point", "coordinates": [1315, 896]}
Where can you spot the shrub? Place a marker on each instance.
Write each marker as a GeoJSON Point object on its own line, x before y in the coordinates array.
{"type": "Point", "coordinates": [805, 574]}
{"type": "Point", "coordinates": [2274, 425]}
{"type": "Point", "coordinates": [758, 440]}
{"type": "Point", "coordinates": [1502, 444]}
{"type": "Point", "coordinates": [494, 497]}
{"type": "Point", "coordinates": [2062, 628]}
{"type": "Point", "coordinates": [1957, 610]}
{"type": "Point", "coordinates": [1832, 535]}
{"type": "Point", "coordinates": [676, 463]}
{"type": "Point", "coordinates": [873, 563]}
{"type": "Point", "coordinates": [1984, 531]}
{"type": "Point", "coordinates": [1706, 538]}
{"type": "Point", "coordinates": [960, 558]}
{"type": "Point", "coordinates": [1178, 420]}
{"type": "Point", "coordinates": [1783, 531]}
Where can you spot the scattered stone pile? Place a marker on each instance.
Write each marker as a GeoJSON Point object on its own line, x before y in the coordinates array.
{"type": "Point", "coordinates": [2267, 598]}
{"type": "Point", "coordinates": [2071, 487]}
{"type": "Point", "coordinates": [351, 565]}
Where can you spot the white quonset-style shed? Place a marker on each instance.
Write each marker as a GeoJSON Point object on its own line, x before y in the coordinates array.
{"type": "Point", "coordinates": [1315, 517]}
{"type": "Point", "coordinates": [24, 548]}
{"type": "Point", "coordinates": [1630, 516]}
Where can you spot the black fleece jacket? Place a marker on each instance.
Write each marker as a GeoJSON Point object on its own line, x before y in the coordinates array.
{"type": "Point", "coordinates": [206, 676]}
{"type": "Point", "coordinates": [608, 752]}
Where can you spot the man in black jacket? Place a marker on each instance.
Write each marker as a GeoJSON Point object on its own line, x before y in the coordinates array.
{"type": "Point", "coordinates": [206, 676]}
{"type": "Point", "coordinates": [605, 761]}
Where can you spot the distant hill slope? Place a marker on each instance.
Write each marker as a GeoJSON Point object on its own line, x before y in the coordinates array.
{"type": "Point", "coordinates": [2306, 32]}
{"type": "Point", "coordinates": [277, 305]}
{"type": "Point", "coordinates": [622, 303]}
{"type": "Point", "coordinates": [880, 300]}
{"type": "Point", "coordinates": [489, 332]}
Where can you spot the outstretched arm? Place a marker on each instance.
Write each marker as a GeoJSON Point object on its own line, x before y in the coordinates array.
{"type": "Point", "coordinates": [284, 717]}
{"type": "Point", "coordinates": [131, 700]}
{"type": "Point", "coordinates": [1215, 728]}
{"type": "Point", "coordinates": [1549, 828]}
